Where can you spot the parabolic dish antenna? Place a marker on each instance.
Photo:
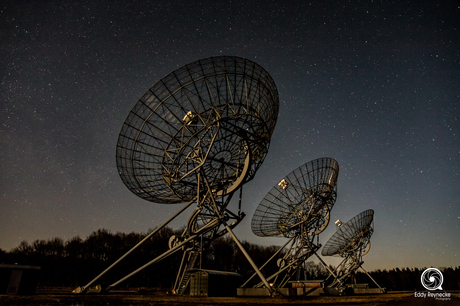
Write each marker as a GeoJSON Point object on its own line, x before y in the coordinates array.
{"type": "Point", "coordinates": [304, 197]}
{"type": "Point", "coordinates": [214, 116]}
{"type": "Point", "coordinates": [351, 241]}
{"type": "Point", "coordinates": [298, 207]}
{"type": "Point", "coordinates": [352, 237]}
{"type": "Point", "coordinates": [197, 136]}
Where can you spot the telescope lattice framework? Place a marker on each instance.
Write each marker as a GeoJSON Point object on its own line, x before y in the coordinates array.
{"type": "Point", "coordinates": [298, 208]}
{"type": "Point", "coordinates": [197, 136]}
{"type": "Point", "coordinates": [352, 237]}
{"type": "Point", "coordinates": [351, 241]}
{"type": "Point", "coordinates": [305, 196]}
{"type": "Point", "coordinates": [214, 116]}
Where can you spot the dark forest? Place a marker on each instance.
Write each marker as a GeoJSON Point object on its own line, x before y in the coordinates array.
{"type": "Point", "coordinates": [75, 262]}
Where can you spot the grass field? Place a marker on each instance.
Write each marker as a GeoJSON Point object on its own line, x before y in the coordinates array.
{"type": "Point", "coordinates": [63, 296]}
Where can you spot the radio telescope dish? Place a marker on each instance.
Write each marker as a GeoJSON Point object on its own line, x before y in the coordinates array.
{"type": "Point", "coordinates": [197, 136]}
{"type": "Point", "coordinates": [351, 241]}
{"type": "Point", "coordinates": [305, 196]}
{"type": "Point", "coordinates": [207, 116]}
{"type": "Point", "coordinates": [298, 207]}
{"type": "Point", "coordinates": [352, 237]}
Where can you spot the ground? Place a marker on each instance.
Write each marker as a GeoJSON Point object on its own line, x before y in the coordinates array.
{"type": "Point", "coordinates": [63, 296]}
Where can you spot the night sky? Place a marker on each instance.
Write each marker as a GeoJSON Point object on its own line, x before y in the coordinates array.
{"type": "Point", "coordinates": [372, 84]}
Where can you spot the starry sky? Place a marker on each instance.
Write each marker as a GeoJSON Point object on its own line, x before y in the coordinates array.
{"type": "Point", "coordinates": [373, 84]}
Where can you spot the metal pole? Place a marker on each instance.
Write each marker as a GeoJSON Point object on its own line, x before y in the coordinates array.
{"type": "Point", "coordinates": [180, 270]}
{"type": "Point", "coordinates": [201, 251]}
{"type": "Point", "coordinates": [277, 273]}
{"type": "Point", "coordinates": [83, 289]}
{"type": "Point", "coordinates": [341, 268]}
{"type": "Point", "coordinates": [165, 254]}
{"type": "Point", "coordinates": [371, 278]}
{"type": "Point", "coordinates": [239, 200]}
{"type": "Point", "coordinates": [249, 259]}
{"type": "Point", "coordinates": [280, 249]}
{"type": "Point", "coordinates": [327, 267]}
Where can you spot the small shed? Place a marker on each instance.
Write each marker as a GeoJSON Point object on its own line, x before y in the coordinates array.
{"type": "Point", "coordinates": [213, 283]}
{"type": "Point", "coordinates": [18, 279]}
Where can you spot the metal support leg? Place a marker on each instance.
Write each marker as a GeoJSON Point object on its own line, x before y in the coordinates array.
{"type": "Point", "coordinates": [274, 255]}
{"type": "Point", "coordinates": [208, 227]}
{"type": "Point", "coordinates": [180, 270]}
{"type": "Point", "coordinates": [372, 279]}
{"type": "Point", "coordinates": [84, 288]}
{"type": "Point", "coordinates": [249, 259]}
{"type": "Point", "coordinates": [324, 264]}
{"type": "Point", "coordinates": [162, 256]}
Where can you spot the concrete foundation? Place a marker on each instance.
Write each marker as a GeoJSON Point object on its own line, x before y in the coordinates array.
{"type": "Point", "coordinates": [282, 291]}
{"type": "Point", "coordinates": [367, 291]}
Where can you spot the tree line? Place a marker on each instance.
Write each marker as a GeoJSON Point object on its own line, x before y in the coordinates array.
{"type": "Point", "coordinates": [77, 261]}
{"type": "Point", "coordinates": [409, 278]}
